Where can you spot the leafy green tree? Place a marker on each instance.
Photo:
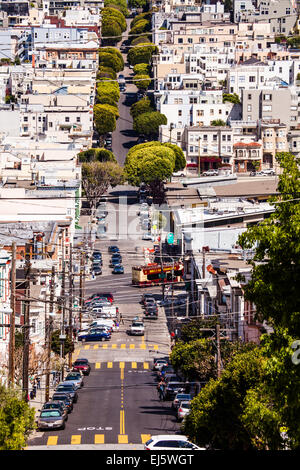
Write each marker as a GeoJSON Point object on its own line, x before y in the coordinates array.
{"type": "Point", "coordinates": [97, 154]}
{"type": "Point", "coordinates": [141, 54]}
{"type": "Point", "coordinates": [140, 27]}
{"type": "Point", "coordinates": [112, 13]}
{"type": "Point", "coordinates": [97, 177]}
{"type": "Point", "coordinates": [142, 82]}
{"type": "Point", "coordinates": [111, 31]}
{"type": "Point", "coordinates": [108, 88]}
{"type": "Point", "coordinates": [141, 107]}
{"type": "Point", "coordinates": [16, 419]}
{"type": "Point", "coordinates": [231, 98]}
{"type": "Point", "coordinates": [107, 59]}
{"type": "Point", "coordinates": [141, 69]}
{"type": "Point", "coordinates": [106, 99]}
{"type": "Point", "coordinates": [143, 39]}
{"type": "Point", "coordinates": [275, 278]}
{"type": "Point", "coordinates": [104, 118]}
{"type": "Point", "coordinates": [120, 5]}
{"type": "Point", "coordinates": [137, 3]}
{"type": "Point", "coordinates": [142, 16]}
{"type": "Point", "coordinates": [215, 415]}
{"type": "Point", "coordinates": [106, 72]}
{"type": "Point", "coordinates": [218, 122]}
{"type": "Point", "coordinates": [180, 162]}
{"type": "Point", "coordinates": [115, 51]}
{"type": "Point", "coordinates": [55, 343]}
{"type": "Point", "coordinates": [148, 123]}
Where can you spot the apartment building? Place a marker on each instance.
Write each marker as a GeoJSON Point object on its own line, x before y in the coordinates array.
{"type": "Point", "coordinates": [66, 55]}
{"type": "Point", "coordinates": [57, 116]}
{"type": "Point", "coordinates": [281, 14]}
{"type": "Point", "coordinates": [278, 103]}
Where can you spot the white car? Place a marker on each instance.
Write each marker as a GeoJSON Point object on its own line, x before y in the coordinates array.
{"type": "Point", "coordinates": [267, 172]}
{"type": "Point", "coordinates": [159, 364]}
{"type": "Point", "coordinates": [137, 328]}
{"type": "Point", "coordinates": [183, 410]}
{"type": "Point", "coordinates": [179, 173]}
{"type": "Point", "coordinates": [170, 442]}
{"type": "Point", "coordinates": [210, 173]}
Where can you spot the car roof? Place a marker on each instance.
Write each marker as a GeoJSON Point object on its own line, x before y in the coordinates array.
{"type": "Point", "coordinates": [168, 437]}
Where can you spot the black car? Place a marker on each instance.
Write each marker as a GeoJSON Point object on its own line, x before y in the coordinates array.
{"type": "Point", "coordinates": [173, 388]}
{"type": "Point", "coordinates": [97, 269]}
{"type": "Point", "coordinates": [113, 249]}
{"type": "Point", "coordinates": [64, 398]}
{"type": "Point", "coordinates": [115, 259]}
{"type": "Point", "coordinates": [145, 297]}
{"type": "Point", "coordinates": [68, 388]}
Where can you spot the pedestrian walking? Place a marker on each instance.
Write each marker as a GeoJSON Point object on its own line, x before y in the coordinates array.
{"type": "Point", "coordinates": [121, 319]}
{"type": "Point", "coordinates": [38, 383]}
{"type": "Point", "coordinates": [161, 390]}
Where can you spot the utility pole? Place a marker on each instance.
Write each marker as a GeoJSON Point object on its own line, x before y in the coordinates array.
{"type": "Point", "coordinates": [70, 331]}
{"type": "Point", "coordinates": [49, 333]}
{"type": "Point", "coordinates": [63, 288]}
{"type": "Point", "coordinates": [218, 351]}
{"type": "Point", "coordinates": [199, 156]}
{"type": "Point", "coordinates": [81, 288]}
{"type": "Point", "coordinates": [26, 329]}
{"type": "Point", "coordinates": [11, 364]}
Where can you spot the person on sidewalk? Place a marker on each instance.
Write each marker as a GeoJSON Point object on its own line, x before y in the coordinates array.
{"type": "Point", "coordinates": [161, 390]}
{"type": "Point", "coordinates": [38, 382]}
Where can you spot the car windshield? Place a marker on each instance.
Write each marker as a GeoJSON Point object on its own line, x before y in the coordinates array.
{"type": "Point", "coordinates": [50, 414]}
{"type": "Point", "coordinates": [71, 377]}
{"type": "Point", "coordinates": [50, 406]}
{"type": "Point", "coordinates": [63, 398]}
{"type": "Point", "coordinates": [177, 385]}
{"type": "Point", "coordinates": [185, 405]}
{"type": "Point", "coordinates": [138, 324]}
{"type": "Point", "coordinates": [182, 396]}
{"type": "Point", "coordinates": [80, 363]}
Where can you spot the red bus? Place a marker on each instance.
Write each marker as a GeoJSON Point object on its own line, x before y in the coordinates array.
{"type": "Point", "coordinates": [151, 274]}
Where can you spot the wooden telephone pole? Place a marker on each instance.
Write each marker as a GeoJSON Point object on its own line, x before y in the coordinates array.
{"type": "Point", "coordinates": [26, 330]}
{"type": "Point", "coordinates": [11, 362]}
{"type": "Point", "coordinates": [70, 331]}
{"type": "Point", "coordinates": [49, 333]}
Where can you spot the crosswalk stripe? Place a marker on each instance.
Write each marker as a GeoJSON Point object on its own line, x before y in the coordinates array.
{"type": "Point", "coordinates": [87, 346]}
{"type": "Point", "coordinates": [134, 365]}
{"type": "Point", "coordinates": [122, 365]}
{"type": "Point", "coordinates": [98, 365]}
{"type": "Point", "coordinates": [145, 437]}
{"type": "Point", "coordinates": [114, 346]}
{"type": "Point", "coordinates": [131, 346]}
{"type": "Point", "coordinates": [76, 439]}
{"type": "Point", "coordinates": [122, 439]}
{"type": "Point", "coordinates": [99, 439]}
{"type": "Point", "coordinates": [155, 346]}
{"type": "Point", "coordinates": [123, 346]}
{"type": "Point", "coordinates": [109, 365]}
{"type": "Point", "coordinates": [104, 346]}
{"type": "Point", "coordinates": [142, 346]}
{"type": "Point", "coordinates": [96, 346]}
{"type": "Point", "coordinates": [146, 365]}
{"type": "Point", "coordinates": [52, 441]}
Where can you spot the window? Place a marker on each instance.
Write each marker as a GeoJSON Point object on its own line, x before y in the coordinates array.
{"type": "Point", "coordinates": [252, 79]}
{"type": "Point", "coordinates": [190, 40]}
{"type": "Point", "coordinates": [267, 97]}
{"type": "Point", "coordinates": [179, 112]}
{"type": "Point", "coordinates": [78, 119]}
{"type": "Point", "coordinates": [249, 107]}
{"type": "Point", "coordinates": [249, 96]}
{"type": "Point", "coordinates": [215, 137]}
{"type": "Point", "coordinates": [180, 40]}
{"type": "Point", "coordinates": [67, 119]}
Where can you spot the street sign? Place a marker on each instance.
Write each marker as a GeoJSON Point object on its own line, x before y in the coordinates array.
{"type": "Point", "coordinates": [170, 238]}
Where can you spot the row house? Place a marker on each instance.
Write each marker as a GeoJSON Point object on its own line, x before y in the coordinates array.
{"type": "Point", "coordinates": [66, 55]}
{"type": "Point", "coordinates": [57, 115]}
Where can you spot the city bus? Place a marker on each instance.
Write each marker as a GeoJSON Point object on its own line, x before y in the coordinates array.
{"type": "Point", "coordinates": [151, 274]}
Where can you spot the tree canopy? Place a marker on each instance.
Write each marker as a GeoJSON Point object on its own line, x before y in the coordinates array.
{"type": "Point", "coordinates": [148, 123]}
{"type": "Point", "coordinates": [16, 419]}
{"type": "Point", "coordinates": [141, 54]}
{"type": "Point", "coordinates": [141, 81]}
{"type": "Point", "coordinates": [97, 177]}
{"type": "Point", "coordinates": [104, 118]}
{"type": "Point", "coordinates": [112, 60]}
{"type": "Point", "coordinates": [140, 107]}
{"type": "Point", "coordinates": [97, 154]}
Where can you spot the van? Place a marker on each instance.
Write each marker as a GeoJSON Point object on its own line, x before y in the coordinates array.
{"type": "Point", "coordinates": [112, 310]}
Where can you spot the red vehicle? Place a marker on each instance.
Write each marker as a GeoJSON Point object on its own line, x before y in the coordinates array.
{"type": "Point", "coordinates": [152, 274]}
{"type": "Point", "coordinates": [82, 365]}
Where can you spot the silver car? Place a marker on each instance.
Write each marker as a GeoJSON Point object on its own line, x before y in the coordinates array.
{"type": "Point", "coordinates": [51, 419]}
{"type": "Point", "coordinates": [76, 378]}
{"type": "Point", "coordinates": [183, 410]}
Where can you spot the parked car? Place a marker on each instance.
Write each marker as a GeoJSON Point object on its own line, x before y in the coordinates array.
{"type": "Point", "coordinates": [173, 388]}
{"type": "Point", "coordinates": [183, 410]}
{"type": "Point", "coordinates": [210, 172]}
{"type": "Point", "coordinates": [113, 249]}
{"type": "Point", "coordinates": [159, 363]}
{"type": "Point", "coordinates": [118, 269]}
{"type": "Point", "coordinates": [51, 419]}
{"type": "Point", "coordinates": [267, 172]}
{"type": "Point", "coordinates": [55, 405]}
{"type": "Point", "coordinates": [97, 334]}
{"type": "Point", "coordinates": [179, 173]}
{"type": "Point", "coordinates": [63, 398]}
{"type": "Point", "coordinates": [69, 388]}
{"type": "Point", "coordinates": [147, 236]}
{"type": "Point", "coordinates": [101, 231]}
{"type": "Point", "coordinates": [116, 259]}
{"type": "Point", "coordinates": [96, 269]}
{"type": "Point", "coordinates": [137, 328]}
{"type": "Point", "coordinates": [82, 365]}
{"type": "Point", "coordinates": [179, 398]}
{"type": "Point", "coordinates": [171, 443]}
{"type": "Point", "coordinates": [76, 377]}
{"type": "Point", "coordinates": [146, 296]}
